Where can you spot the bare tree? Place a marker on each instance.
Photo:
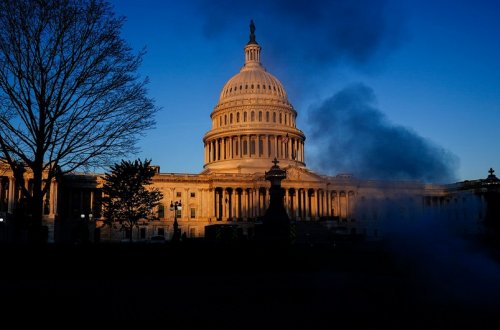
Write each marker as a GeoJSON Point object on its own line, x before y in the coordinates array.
{"type": "Point", "coordinates": [70, 96]}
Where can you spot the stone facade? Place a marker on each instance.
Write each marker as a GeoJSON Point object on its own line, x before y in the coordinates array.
{"type": "Point", "coordinates": [252, 124]}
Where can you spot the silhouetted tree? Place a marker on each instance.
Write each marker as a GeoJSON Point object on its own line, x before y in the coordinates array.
{"type": "Point", "coordinates": [69, 94]}
{"type": "Point", "coordinates": [126, 197]}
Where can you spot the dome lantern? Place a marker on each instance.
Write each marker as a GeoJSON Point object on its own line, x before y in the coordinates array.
{"type": "Point", "coordinates": [252, 49]}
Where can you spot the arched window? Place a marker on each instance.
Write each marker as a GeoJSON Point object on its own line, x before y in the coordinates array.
{"type": "Point", "coordinates": [225, 119]}
{"type": "Point", "coordinates": [260, 115]}
{"type": "Point", "coordinates": [274, 117]}
{"type": "Point", "coordinates": [267, 116]}
{"type": "Point", "coordinates": [231, 118]}
{"type": "Point", "coordinates": [280, 118]}
{"type": "Point", "coordinates": [252, 116]}
{"type": "Point", "coordinates": [244, 116]}
{"type": "Point", "coordinates": [237, 117]}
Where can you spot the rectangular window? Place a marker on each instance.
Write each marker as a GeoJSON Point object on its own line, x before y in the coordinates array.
{"type": "Point", "coordinates": [178, 194]}
{"type": "Point", "coordinates": [161, 211]}
{"type": "Point", "coordinates": [193, 195]}
{"type": "Point", "coordinates": [179, 213]}
{"type": "Point", "coordinates": [252, 147]}
{"type": "Point", "coordinates": [193, 213]}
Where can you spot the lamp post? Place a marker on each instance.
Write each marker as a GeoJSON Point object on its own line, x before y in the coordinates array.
{"type": "Point", "coordinates": [86, 220]}
{"type": "Point", "coordinates": [174, 207]}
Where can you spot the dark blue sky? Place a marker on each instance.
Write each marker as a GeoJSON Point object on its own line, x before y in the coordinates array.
{"type": "Point", "coordinates": [433, 67]}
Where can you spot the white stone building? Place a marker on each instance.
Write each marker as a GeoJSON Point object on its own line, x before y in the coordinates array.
{"type": "Point", "coordinates": [252, 124]}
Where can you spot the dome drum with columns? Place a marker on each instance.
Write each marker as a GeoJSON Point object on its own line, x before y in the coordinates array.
{"type": "Point", "coordinates": [253, 122]}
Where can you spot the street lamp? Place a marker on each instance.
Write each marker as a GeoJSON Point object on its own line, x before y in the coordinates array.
{"type": "Point", "coordinates": [174, 207]}
{"type": "Point", "coordinates": [85, 223]}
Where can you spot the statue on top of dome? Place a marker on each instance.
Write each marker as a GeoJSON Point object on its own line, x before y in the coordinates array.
{"type": "Point", "coordinates": [252, 33]}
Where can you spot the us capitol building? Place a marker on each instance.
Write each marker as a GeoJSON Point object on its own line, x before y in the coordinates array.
{"type": "Point", "coordinates": [252, 124]}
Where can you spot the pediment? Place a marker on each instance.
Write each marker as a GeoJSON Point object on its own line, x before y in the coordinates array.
{"type": "Point", "coordinates": [294, 173]}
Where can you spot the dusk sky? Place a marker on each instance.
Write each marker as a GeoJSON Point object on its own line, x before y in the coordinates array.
{"type": "Point", "coordinates": [432, 68]}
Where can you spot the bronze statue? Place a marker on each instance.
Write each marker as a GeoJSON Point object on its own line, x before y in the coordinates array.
{"type": "Point", "coordinates": [252, 33]}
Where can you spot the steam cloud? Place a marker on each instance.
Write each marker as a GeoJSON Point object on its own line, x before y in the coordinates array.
{"type": "Point", "coordinates": [353, 136]}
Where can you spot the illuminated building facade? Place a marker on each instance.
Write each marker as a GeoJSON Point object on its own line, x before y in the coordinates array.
{"type": "Point", "coordinates": [252, 124]}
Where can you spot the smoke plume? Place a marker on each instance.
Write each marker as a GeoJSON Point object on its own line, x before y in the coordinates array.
{"type": "Point", "coordinates": [352, 135]}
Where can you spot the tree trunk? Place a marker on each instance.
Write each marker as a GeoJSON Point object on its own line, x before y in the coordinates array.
{"type": "Point", "coordinates": [36, 205]}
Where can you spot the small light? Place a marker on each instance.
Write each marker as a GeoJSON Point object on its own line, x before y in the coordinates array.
{"type": "Point", "coordinates": [82, 216]}
{"type": "Point", "coordinates": [1, 219]}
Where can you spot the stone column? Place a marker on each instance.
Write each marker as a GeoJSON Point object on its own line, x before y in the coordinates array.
{"type": "Point", "coordinates": [253, 203]}
{"type": "Point", "coordinates": [277, 155]}
{"type": "Point", "coordinates": [289, 147]}
{"type": "Point", "coordinates": [11, 195]}
{"type": "Point", "coordinates": [210, 205]}
{"type": "Point", "coordinates": [238, 211]}
{"type": "Point", "coordinates": [265, 142]}
{"type": "Point", "coordinates": [298, 205]}
{"type": "Point", "coordinates": [327, 203]}
{"type": "Point", "coordinates": [224, 204]}
{"type": "Point", "coordinates": [230, 213]}
{"type": "Point", "coordinates": [314, 204]}
{"type": "Point", "coordinates": [216, 156]}
{"type": "Point", "coordinates": [230, 148]}
{"type": "Point", "coordinates": [257, 145]}
{"type": "Point", "coordinates": [238, 148]}
{"type": "Point", "coordinates": [287, 201]}
{"type": "Point", "coordinates": [224, 149]}
{"type": "Point", "coordinates": [216, 204]}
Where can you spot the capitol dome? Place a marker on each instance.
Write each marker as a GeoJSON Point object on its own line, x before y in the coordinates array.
{"type": "Point", "coordinates": [253, 122]}
{"type": "Point", "coordinates": [253, 82]}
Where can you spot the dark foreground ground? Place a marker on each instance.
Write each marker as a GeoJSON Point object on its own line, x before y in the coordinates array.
{"type": "Point", "coordinates": [205, 286]}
